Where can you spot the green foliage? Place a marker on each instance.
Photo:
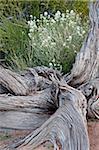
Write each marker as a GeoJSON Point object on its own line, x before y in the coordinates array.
{"type": "Point", "coordinates": [55, 5]}
{"type": "Point", "coordinates": [55, 41]}
{"type": "Point", "coordinates": [14, 42]}
{"type": "Point", "coordinates": [35, 7]}
{"type": "Point", "coordinates": [10, 8]}
{"type": "Point", "coordinates": [46, 41]}
{"type": "Point", "coordinates": [81, 8]}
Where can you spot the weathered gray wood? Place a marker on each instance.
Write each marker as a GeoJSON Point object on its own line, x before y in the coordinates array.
{"type": "Point", "coordinates": [13, 82]}
{"type": "Point", "coordinates": [25, 112]}
{"type": "Point", "coordinates": [33, 79]}
{"type": "Point", "coordinates": [65, 128]}
{"type": "Point", "coordinates": [56, 96]}
{"type": "Point", "coordinates": [62, 126]}
{"type": "Point", "coordinates": [85, 72]}
{"type": "Point", "coordinates": [86, 65]}
{"type": "Point", "coordinates": [41, 99]}
{"type": "Point", "coordinates": [91, 91]}
{"type": "Point", "coordinates": [14, 120]}
{"type": "Point", "coordinates": [67, 125]}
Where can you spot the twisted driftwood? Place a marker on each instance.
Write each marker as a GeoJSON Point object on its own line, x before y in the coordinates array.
{"type": "Point", "coordinates": [53, 106]}
{"type": "Point", "coordinates": [54, 110]}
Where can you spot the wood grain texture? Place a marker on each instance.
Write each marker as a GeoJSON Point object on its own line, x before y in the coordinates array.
{"type": "Point", "coordinates": [61, 102]}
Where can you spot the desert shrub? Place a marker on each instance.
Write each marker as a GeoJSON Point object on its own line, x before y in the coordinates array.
{"type": "Point", "coordinates": [14, 42]}
{"type": "Point", "coordinates": [50, 41]}
{"type": "Point", "coordinates": [56, 40]}
{"type": "Point", "coordinates": [81, 7]}
{"type": "Point", "coordinates": [35, 7]}
{"type": "Point", "coordinates": [9, 8]}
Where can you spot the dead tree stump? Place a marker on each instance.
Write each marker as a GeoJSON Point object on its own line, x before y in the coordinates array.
{"type": "Point", "coordinates": [53, 106]}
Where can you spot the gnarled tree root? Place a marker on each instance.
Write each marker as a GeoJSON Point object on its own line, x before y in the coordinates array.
{"type": "Point", "coordinates": [64, 128]}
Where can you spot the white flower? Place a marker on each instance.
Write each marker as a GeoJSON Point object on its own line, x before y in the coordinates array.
{"type": "Point", "coordinates": [48, 16]}
{"type": "Point", "coordinates": [45, 43]}
{"type": "Point", "coordinates": [41, 16]}
{"type": "Point", "coordinates": [35, 26]}
{"type": "Point", "coordinates": [53, 21]}
{"type": "Point", "coordinates": [31, 16]}
{"type": "Point", "coordinates": [50, 64]}
{"type": "Point", "coordinates": [31, 30]}
{"type": "Point", "coordinates": [57, 15]}
{"type": "Point", "coordinates": [75, 51]}
{"type": "Point", "coordinates": [72, 12]}
{"type": "Point", "coordinates": [64, 28]}
{"type": "Point", "coordinates": [37, 20]}
{"type": "Point", "coordinates": [70, 37]}
{"type": "Point", "coordinates": [28, 22]}
{"type": "Point", "coordinates": [29, 34]}
{"type": "Point", "coordinates": [71, 22]}
{"type": "Point", "coordinates": [32, 24]}
{"type": "Point", "coordinates": [47, 23]}
{"type": "Point", "coordinates": [83, 32]}
{"type": "Point", "coordinates": [34, 17]}
{"type": "Point", "coordinates": [58, 64]}
{"type": "Point", "coordinates": [64, 44]}
{"type": "Point", "coordinates": [62, 18]}
{"type": "Point", "coordinates": [45, 13]}
{"type": "Point", "coordinates": [67, 16]}
{"type": "Point", "coordinates": [63, 15]}
{"type": "Point", "coordinates": [53, 60]}
{"type": "Point", "coordinates": [33, 43]}
{"type": "Point", "coordinates": [58, 12]}
{"type": "Point", "coordinates": [49, 38]}
{"type": "Point", "coordinates": [32, 38]}
{"type": "Point", "coordinates": [78, 28]}
{"type": "Point", "coordinates": [55, 65]}
{"type": "Point", "coordinates": [53, 43]}
{"type": "Point", "coordinates": [67, 11]}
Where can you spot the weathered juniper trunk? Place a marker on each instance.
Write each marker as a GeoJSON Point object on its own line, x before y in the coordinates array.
{"type": "Point", "coordinates": [51, 105]}
{"type": "Point", "coordinates": [54, 111]}
{"type": "Point", "coordinates": [85, 73]}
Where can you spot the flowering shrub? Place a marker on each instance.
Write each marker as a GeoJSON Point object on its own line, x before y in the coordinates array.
{"type": "Point", "coordinates": [52, 41]}
{"type": "Point", "coordinates": [55, 40]}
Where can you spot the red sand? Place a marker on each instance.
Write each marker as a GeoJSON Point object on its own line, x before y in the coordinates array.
{"type": "Point", "coordinates": [93, 129]}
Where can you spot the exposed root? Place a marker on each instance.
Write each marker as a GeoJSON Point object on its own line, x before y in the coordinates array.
{"type": "Point", "coordinates": [65, 128]}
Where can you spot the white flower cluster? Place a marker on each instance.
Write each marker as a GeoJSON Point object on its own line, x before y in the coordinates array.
{"type": "Point", "coordinates": [51, 36]}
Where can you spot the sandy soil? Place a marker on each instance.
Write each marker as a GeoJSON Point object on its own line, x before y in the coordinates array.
{"type": "Point", "coordinates": [93, 130]}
